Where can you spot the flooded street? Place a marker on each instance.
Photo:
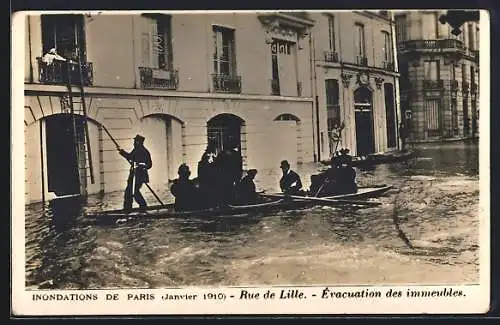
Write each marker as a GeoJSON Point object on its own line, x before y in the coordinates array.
{"type": "Point", "coordinates": [426, 231]}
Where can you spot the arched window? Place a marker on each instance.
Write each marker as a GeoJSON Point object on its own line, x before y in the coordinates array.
{"type": "Point", "coordinates": [287, 117]}
{"type": "Point", "coordinates": [362, 96]}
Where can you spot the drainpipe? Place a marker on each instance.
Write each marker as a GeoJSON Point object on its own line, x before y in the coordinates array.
{"type": "Point", "coordinates": [313, 88]}
{"type": "Point", "coordinates": [29, 46]}
{"type": "Point", "coordinates": [396, 80]}
{"type": "Point", "coordinates": [316, 100]}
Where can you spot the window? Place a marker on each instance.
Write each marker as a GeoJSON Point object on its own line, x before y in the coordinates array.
{"type": "Point", "coordinates": [401, 28]}
{"type": "Point", "coordinates": [163, 42]}
{"type": "Point", "coordinates": [331, 33]}
{"type": "Point", "coordinates": [432, 106]}
{"type": "Point", "coordinates": [224, 51]}
{"type": "Point", "coordinates": [431, 70]}
{"type": "Point", "coordinates": [65, 34]}
{"type": "Point", "coordinates": [471, 37]}
{"type": "Point", "coordinates": [359, 39]}
{"type": "Point", "coordinates": [332, 110]}
{"type": "Point", "coordinates": [387, 47]}
{"type": "Point", "coordinates": [429, 26]}
{"type": "Point", "coordinates": [464, 72]}
{"type": "Point", "coordinates": [332, 103]}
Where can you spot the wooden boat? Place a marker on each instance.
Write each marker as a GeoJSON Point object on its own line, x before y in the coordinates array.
{"type": "Point", "coordinates": [268, 203]}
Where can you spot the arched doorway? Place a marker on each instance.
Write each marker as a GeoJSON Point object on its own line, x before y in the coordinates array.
{"type": "Point", "coordinates": [363, 109]}
{"type": "Point", "coordinates": [225, 130]}
{"type": "Point", "coordinates": [164, 140]}
{"type": "Point", "coordinates": [286, 140]}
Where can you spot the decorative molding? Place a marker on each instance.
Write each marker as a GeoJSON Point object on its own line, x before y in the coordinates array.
{"type": "Point", "coordinates": [379, 81]}
{"type": "Point", "coordinates": [346, 79]}
{"type": "Point", "coordinates": [363, 79]}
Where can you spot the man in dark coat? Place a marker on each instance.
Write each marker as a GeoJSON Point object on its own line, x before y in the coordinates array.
{"type": "Point", "coordinates": [229, 165]}
{"type": "Point", "coordinates": [245, 190]}
{"type": "Point", "coordinates": [208, 176]}
{"type": "Point", "coordinates": [290, 182]}
{"type": "Point", "coordinates": [184, 190]}
{"type": "Point", "coordinates": [140, 162]}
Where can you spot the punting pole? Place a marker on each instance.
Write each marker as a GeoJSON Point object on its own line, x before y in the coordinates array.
{"type": "Point", "coordinates": [131, 163]}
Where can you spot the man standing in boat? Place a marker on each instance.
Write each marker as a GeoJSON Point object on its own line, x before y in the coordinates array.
{"type": "Point", "coordinates": [290, 182]}
{"type": "Point", "coordinates": [208, 175]}
{"type": "Point", "coordinates": [140, 162]}
{"type": "Point", "coordinates": [184, 190]}
{"type": "Point", "coordinates": [229, 165]}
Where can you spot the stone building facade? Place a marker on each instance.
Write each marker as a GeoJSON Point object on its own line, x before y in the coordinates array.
{"type": "Point", "coordinates": [439, 76]}
{"type": "Point", "coordinates": [260, 80]}
{"type": "Point", "coordinates": [356, 81]}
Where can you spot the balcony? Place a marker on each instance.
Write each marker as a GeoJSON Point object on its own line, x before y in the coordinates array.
{"type": "Point", "coordinates": [465, 86]}
{"type": "Point", "coordinates": [275, 87]}
{"type": "Point", "coordinates": [156, 78]}
{"type": "Point", "coordinates": [362, 60]}
{"type": "Point", "coordinates": [61, 72]}
{"type": "Point", "coordinates": [331, 56]}
{"type": "Point", "coordinates": [226, 83]}
{"type": "Point", "coordinates": [433, 84]}
{"type": "Point", "coordinates": [388, 65]}
{"type": "Point", "coordinates": [432, 45]}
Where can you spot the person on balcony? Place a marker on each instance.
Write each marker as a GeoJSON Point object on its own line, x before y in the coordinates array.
{"type": "Point", "coordinates": [140, 161]}
{"type": "Point", "coordinates": [52, 55]}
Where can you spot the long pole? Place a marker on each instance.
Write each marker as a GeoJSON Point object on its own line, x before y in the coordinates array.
{"type": "Point", "coordinates": [131, 163]}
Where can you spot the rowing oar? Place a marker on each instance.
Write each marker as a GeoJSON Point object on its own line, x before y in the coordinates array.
{"type": "Point", "coordinates": [325, 200]}
{"type": "Point", "coordinates": [131, 163]}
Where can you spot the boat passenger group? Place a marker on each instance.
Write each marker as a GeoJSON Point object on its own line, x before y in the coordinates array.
{"type": "Point", "coordinates": [220, 182]}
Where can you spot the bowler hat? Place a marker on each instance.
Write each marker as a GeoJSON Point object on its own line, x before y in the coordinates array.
{"type": "Point", "coordinates": [139, 138]}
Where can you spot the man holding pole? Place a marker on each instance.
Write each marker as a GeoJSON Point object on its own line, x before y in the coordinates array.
{"type": "Point", "coordinates": [140, 161]}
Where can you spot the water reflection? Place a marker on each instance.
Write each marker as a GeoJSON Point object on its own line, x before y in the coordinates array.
{"type": "Point", "coordinates": [434, 200]}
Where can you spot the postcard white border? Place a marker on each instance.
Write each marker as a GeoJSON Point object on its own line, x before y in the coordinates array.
{"type": "Point", "coordinates": [475, 298]}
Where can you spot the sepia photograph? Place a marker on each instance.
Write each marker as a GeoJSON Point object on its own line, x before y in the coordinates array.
{"type": "Point", "coordinates": [247, 149]}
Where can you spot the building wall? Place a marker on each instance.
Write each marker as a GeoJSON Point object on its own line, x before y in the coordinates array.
{"type": "Point", "coordinates": [344, 23]}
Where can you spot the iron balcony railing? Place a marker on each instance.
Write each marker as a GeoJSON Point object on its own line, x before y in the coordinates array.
{"type": "Point", "coordinates": [226, 83]}
{"type": "Point", "coordinates": [362, 60]}
{"type": "Point", "coordinates": [433, 84]}
{"type": "Point", "coordinates": [388, 65]}
{"type": "Point", "coordinates": [442, 44]}
{"type": "Point", "coordinates": [275, 87]}
{"type": "Point", "coordinates": [64, 72]}
{"type": "Point", "coordinates": [331, 56]}
{"type": "Point", "coordinates": [157, 78]}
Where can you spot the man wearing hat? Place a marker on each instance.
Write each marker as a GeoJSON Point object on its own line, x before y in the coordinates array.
{"type": "Point", "coordinates": [140, 162]}
{"type": "Point", "coordinates": [290, 182]}
{"type": "Point", "coordinates": [245, 189]}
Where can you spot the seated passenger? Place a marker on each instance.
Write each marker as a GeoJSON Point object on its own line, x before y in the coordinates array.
{"type": "Point", "coordinates": [245, 190]}
{"type": "Point", "coordinates": [184, 190]}
{"type": "Point", "coordinates": [290, 182]}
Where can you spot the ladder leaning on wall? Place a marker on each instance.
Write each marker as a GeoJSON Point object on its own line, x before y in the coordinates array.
{"type": "Point", "coordinates": [81, 109]}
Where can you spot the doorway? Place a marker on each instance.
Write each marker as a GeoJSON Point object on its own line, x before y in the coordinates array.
{"type": "Point", "coordinates": [365, 139]}
{"type": "Point", "coordinates": [62, 147]}
{"type": "Point", "coordinates": [390, 118]}
{"type": "Point", "coordinates": [224, 130]}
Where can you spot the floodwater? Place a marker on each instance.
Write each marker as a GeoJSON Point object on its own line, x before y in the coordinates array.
{"type": "Point", "coordinates": [426, 231]}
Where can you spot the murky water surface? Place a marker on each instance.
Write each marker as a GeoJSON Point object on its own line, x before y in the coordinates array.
{"type": "Point", "coordinates": [426, 231]}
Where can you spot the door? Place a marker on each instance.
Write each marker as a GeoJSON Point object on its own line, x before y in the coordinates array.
{"type": "Point", "coordinates": [365, 140]}
{"type": "Point", "coordinates": [62, 162]}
